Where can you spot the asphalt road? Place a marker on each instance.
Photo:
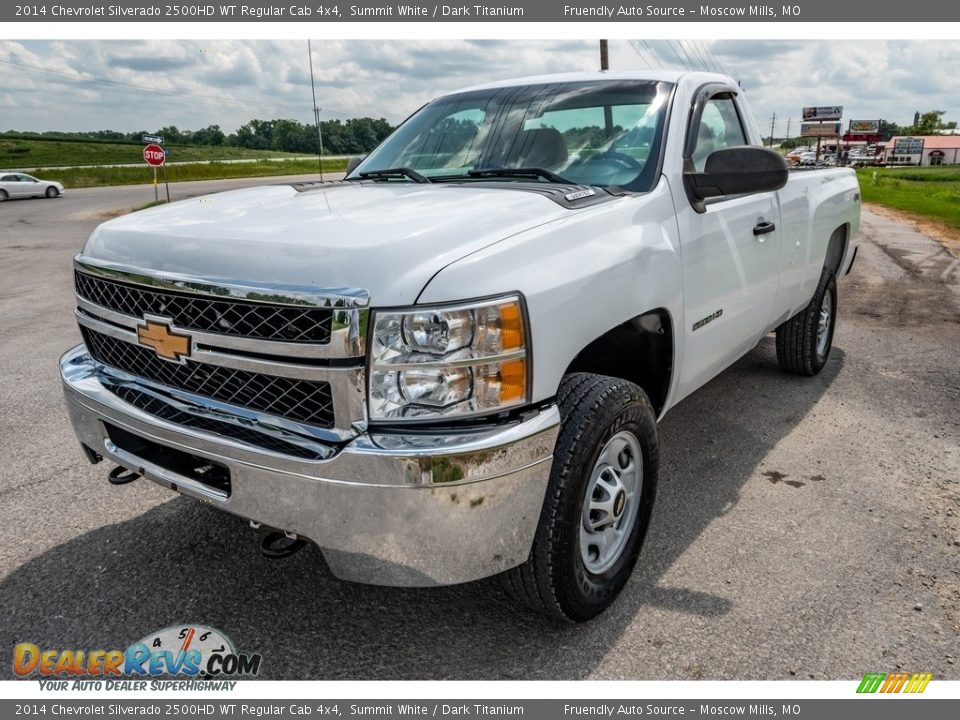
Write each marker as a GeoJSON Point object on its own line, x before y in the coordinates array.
{"type": "Point", "coordinates": [804, 528]}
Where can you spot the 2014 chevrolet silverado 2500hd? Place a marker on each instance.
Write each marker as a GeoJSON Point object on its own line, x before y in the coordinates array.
{"type": "Point", "coordinates": [451, 364]}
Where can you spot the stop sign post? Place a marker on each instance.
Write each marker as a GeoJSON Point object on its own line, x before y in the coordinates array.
{"type": "Point", "coordinates": [155, 156]}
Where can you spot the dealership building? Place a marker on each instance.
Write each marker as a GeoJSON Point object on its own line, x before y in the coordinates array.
{"type": "Point", "coordinates": [923, 150]}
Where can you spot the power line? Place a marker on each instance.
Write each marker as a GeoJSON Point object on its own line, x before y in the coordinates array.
{"type": "Point", "coordinates": [690, 64]}
{"type": "Point", "coordinates": [673, 49]}
{"type": "Point", "coordinates": [706, 54]}
{"type": "Point", "coordinates": [643, 57]}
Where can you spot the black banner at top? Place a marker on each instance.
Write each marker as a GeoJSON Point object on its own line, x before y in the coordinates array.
{"type": "Point", "coordinates": [332, 11]}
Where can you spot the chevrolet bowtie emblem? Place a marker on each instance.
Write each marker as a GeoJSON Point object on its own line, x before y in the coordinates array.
{"type": "Point", "coordinates": [168, 345]}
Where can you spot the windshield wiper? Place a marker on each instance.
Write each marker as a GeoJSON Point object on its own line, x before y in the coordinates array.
{"type": "Point", "coordinates": [396, 172]}
{"type": "Point", "coordinates": [519, 172]}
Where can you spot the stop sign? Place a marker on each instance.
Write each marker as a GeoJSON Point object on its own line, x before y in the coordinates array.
{"type": "Point", "coordinates": [154, 155]}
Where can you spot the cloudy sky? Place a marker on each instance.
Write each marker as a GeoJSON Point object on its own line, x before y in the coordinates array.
{"type": "Point", "coordinates": [135, 85]}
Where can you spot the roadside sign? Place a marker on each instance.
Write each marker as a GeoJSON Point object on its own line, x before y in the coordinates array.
{"type": "Point", "coordinates": [908, 146]}
{"type": "Point", "coordinates": [156, 139]}
{"type": "Point", "coordinates": [864, 127]}
{"type": "Point", "coordinates": [828, 112]}
{"type": "Point", "coordinates": [827, 129]}
{"type": "Point", "coordinates": [154, 155]}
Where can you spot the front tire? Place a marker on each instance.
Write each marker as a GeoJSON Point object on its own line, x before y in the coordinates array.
{"type": "Point", "coordinates": [52, 192]}
{"type": "Point", "coordinates": [805, 340]}
{"type": "Point", "coordinates": [599, 500]}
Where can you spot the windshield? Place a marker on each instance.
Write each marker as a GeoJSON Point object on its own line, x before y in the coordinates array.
{"type": "Point", "coordinates": [604, 133]}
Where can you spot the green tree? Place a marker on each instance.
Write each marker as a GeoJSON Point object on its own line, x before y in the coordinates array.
{"type": "Point", "coordinates": [928, 123]}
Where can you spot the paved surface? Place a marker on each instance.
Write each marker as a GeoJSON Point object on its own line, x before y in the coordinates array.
{"type": "Point", "coordinates": [804, 527]}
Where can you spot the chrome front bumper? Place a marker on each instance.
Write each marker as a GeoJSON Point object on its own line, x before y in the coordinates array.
{"type": "Point", "coordinates": [387, 509]}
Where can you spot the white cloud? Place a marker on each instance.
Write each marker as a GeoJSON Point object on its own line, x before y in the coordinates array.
{"type": "Point", "coordinates": [131, 85]}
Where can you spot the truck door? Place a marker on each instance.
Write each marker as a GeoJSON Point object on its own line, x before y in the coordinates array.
{"type": "Point", "coordinates": [730, 250]}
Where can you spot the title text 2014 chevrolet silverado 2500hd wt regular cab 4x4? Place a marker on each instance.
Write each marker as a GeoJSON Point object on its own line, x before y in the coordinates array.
{"type": "Point", "coordinates": [451, 364]}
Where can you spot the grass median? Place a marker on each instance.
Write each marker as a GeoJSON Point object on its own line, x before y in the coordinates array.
{"type": "Point", "coordinates": [100, 176]}
{"type": "Point", "coordinates": [931, 193]}
{"type": "Point", "coordinates": [19, 153]}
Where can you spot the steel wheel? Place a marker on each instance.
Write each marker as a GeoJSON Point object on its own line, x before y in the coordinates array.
{"type": "Point", "coordinates": [824, 325]}
{"type": "Point", "coordinates": [611, 502]}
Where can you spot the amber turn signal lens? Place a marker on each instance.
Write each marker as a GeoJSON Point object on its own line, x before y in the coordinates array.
{"type": "Point", "coordinates": [513, 381]}
{"type": "Point", "coordinates": [511, 326]}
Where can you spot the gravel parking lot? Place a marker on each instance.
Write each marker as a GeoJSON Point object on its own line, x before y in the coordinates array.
{"type": "Point", "coordinates": [805, 528]}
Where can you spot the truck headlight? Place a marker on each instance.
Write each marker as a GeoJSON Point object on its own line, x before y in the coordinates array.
{"type": "Point", "coordinates": [457, 360]}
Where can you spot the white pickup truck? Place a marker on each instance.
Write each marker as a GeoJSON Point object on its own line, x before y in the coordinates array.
{"type": "Point", "coordinates": [451, 364]}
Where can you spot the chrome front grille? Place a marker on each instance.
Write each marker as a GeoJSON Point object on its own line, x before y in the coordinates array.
{"type": "Point", "coordinates": [303, 401]}
{"type": "Point", "coordinates": [284, 361]}
{"type": "Point", "coordinates": [258, 320]}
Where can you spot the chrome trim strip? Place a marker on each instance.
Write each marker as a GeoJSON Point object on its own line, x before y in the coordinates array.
{"type": "Point", "coordinates": [346, 384]}
{"type": "Point", "coordinates": [343, 344]}
{"type": "Point", "coordinates": [225, 288]}
{"type": "Point", "coordinates": [463, 362]}
{"type": "Point", "coordinates": [234, 362]}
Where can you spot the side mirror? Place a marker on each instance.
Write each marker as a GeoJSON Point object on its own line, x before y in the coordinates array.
{"type": "Point", "coordinates": [353, 162]}
{"type": "Point", "coordinates": [738, 171]}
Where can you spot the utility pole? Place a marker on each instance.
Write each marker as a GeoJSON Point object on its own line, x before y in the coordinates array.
{"type": "Point", "coordinates": [773, 123]}
{"type": "Point", "coordinates": [788, 127]}
{"type": "Point", "coordinates": [604, 56]}
{"type": "Point", "coordinates": [316, 113]}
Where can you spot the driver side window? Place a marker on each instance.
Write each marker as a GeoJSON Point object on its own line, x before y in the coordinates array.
{"type": "Point", "coordinates": [720, 128]}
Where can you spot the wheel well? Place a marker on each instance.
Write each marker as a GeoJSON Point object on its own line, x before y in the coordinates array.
{"type": "Point", "coordinates": [639, 350]}
{"type": "Point", "coordinates": [836, 249]}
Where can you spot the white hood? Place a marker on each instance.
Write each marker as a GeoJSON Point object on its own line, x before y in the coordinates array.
{"type": "Point", "coordinates": [388, 239]}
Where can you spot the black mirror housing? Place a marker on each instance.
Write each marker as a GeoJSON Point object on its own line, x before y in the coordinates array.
{"type": "Point", "coordinates": [354, 161]}
{"type": "Point", "coordinates": [738, 171]}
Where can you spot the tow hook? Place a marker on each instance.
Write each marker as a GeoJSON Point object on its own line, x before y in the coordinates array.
{"type": "Point", "coordinates": [278, 545]}
{"type": "Point", "coordinates": [121, 476]}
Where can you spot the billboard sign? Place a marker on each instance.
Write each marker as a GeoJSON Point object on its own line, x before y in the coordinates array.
{"type": "Point", "coordinates": [831, 129]}
{"type": "Point", "coordinates": [864, 127]}
{"type": "Point", "coordinates": [825, 112]}
{"type": "Point", "coordinates": [908, 146]}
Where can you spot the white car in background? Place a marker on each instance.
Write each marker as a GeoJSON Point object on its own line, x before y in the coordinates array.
{"type": "Point", "coordinates": [21, 185]}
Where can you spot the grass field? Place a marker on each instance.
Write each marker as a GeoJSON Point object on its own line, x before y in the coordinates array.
{"type": "Point", "coordinates": [23, 154]}
{"type": "Point", "coordinates": [99, 176]}
{"type": "Point", "coordinates": [933, 193]}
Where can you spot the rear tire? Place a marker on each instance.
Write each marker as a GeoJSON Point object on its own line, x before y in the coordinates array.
{"type": "Point", "coordinates": [598, 503]}
{"type": "Point", "coordinates": [3, 195]}
{"type": "Point", "coordinates": [805, 340]}
{"type": "Point", "coordinates": [52, 192]}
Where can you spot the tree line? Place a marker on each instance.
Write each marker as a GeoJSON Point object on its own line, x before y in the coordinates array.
{"type": "Point", "coordinates": [354, 136]}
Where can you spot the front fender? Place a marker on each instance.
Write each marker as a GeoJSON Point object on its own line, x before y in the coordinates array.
{"type": "Point", "coordinates": [581, 275]}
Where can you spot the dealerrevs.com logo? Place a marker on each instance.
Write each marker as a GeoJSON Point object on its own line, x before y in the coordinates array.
{"type": "Point", "coordinates": [193, 652]}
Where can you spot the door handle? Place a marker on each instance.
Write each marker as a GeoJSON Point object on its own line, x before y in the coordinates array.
{"type": "Point", "coordinates": [763, 227]}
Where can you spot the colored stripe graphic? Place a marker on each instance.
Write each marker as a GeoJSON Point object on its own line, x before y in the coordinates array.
{"type": "Point", "coordinates": [870, 683]}
{"type": "Point", "coordinates": [894, 682]}
{"type": "Point", "coordinates": [918, 683]}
